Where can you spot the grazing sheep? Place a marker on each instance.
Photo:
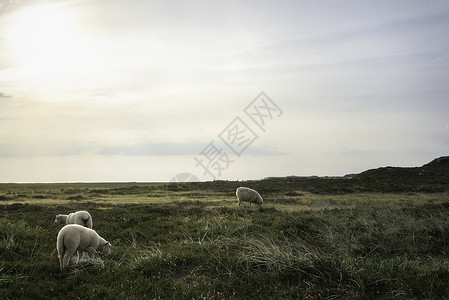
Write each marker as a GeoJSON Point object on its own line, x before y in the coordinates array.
{"type": "Point", "coordinates": [73, 238]}
{"type": "Point", "coordinates": [81, 217]}
{"type": "Point", "coordinates": [245, 194]}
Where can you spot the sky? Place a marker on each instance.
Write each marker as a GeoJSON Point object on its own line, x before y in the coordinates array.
{"type": "Point", "coordinates": [138, 91]}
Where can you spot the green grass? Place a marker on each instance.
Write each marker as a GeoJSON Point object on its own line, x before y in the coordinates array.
{"type": "Point", "coordinates": [194, 242]}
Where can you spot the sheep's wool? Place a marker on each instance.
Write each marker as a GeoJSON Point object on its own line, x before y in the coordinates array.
{"type": "Point", "coordinates": [245, 194]}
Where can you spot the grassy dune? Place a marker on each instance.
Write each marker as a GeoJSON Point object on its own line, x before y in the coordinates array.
{"type": "Point", "coordinates": [192, 242]}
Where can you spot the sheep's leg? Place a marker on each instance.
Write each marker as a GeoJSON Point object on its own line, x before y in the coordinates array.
{"type": "Point", "coordinates": [61, 265]}
{"type": "Point", "coordinates": [66, 259]}
{"type": "Point", "coordinates": [79, 256]}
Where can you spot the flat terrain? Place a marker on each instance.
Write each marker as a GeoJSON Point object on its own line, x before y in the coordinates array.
{"type": "Point", "coordinates": [316, 239]}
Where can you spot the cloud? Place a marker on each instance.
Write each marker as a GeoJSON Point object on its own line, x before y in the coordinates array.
{"type": "Point", "coordinates": [264, 151]}
{"type": "Point", "coordinates": [3, 95]}
{"type": "Point", "coordinates": [152, 149]}
{"type": "Point", "coordinates": [144, 149]}
{"type": "Point", "coordinates": [39, 150]}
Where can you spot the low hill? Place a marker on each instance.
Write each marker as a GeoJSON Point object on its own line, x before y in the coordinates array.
{"type": "Point", "coordinates": [429, 178]}
{"type": "Point", "coordinates": [437, 168]}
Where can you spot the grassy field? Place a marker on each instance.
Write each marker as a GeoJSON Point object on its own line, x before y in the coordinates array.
{"type": "Point", "coordinates": [191, 241]}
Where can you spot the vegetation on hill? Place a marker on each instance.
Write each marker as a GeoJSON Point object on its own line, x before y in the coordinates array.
{"type": "Point", "coordinates": [436, 169]}
{"type": "Point", "coordinates": [430, 178]}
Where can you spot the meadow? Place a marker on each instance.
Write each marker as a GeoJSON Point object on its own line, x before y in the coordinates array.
{"type": "Point", "coordinates": [313, 239]}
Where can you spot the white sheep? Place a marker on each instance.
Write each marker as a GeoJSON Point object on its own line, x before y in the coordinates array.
{"type": "Point", "coordinates": [245, 194]}
{"type": "Point", "coordinates": [81, 217]}
{"type": "Point", "coordinates": [73, 238]}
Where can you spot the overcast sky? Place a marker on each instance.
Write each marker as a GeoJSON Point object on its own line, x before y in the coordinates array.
{"type": "Point", "coordinates": [145, 90]}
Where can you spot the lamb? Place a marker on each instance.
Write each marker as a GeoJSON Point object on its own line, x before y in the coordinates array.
{"type": "Point", "coordinates": [81, 217]}
{"type": "Point", "coordinates": [73, 238]}
{"type": "Point", "coordinates": [245, 194]}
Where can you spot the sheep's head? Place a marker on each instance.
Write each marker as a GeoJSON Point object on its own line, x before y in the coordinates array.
{"type": "Point", "coordinates": [106, 248]}
{"type": "Point", "coordinates": [58, 219]}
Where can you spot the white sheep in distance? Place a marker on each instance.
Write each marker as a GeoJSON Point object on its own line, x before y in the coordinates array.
{"type": "Point", "coordinates": [81, 217]}
{"type": "Point", "coordinates": [73, 238]}
{"type": "Point", "coordinates": [245, 194]}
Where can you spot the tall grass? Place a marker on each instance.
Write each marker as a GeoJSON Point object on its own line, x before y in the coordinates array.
{"type": "Point", "coordinates": [300, 246]}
